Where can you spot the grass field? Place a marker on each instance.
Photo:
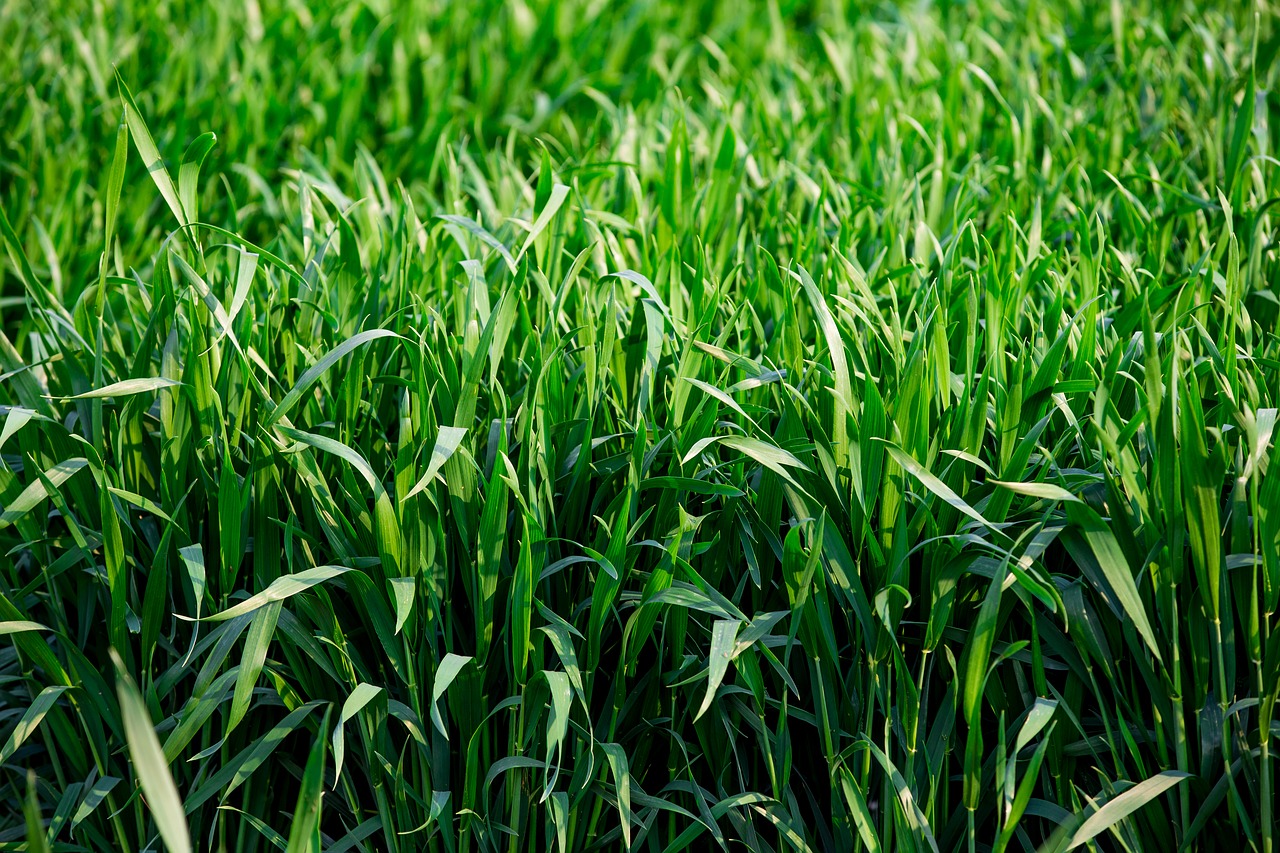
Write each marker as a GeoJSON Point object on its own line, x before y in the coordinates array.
{"type": "Point", "coordinates": [561, 425]}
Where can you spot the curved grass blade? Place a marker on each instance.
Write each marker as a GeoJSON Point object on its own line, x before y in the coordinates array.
{"type": "Point", "coordinates": [304, 832]}
{"type": "Point", "coordinates": [126, 388]}
{"type": "Point", "coordinates": [150, 765]}
{"type": "Point", "coordinates": [318, 369]}
{"type": "Point", "coordinates": [30, 720]}
{"type": "Point", "coordinates": [279, 590]}
{"type": "Point", "coordinates": [1121, 806]}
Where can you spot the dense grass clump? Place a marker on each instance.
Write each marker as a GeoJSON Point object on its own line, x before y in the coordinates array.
{"type": "Point", "coordinates": [566, 425]}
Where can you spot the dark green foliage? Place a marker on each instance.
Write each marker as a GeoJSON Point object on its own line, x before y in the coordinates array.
{"type": "Point", "coordinates": [560, 426]}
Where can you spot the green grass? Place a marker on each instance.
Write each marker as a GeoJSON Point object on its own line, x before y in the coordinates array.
{"type": "Point", "coordinates": [572, 425]}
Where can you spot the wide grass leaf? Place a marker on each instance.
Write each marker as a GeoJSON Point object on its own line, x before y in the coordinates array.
{"type": "Point", "coordinates": [30, 719]}
{"type": "Point", "coordinates": [279, 590]}
{"type": "Point", "coordinates": [361, 696]}
{"type": "Point", "coordinates": [1124, 804]}
{"type": "Point", "coordinates": [448, 670]}
{"type": "Point", "coordinates": [1110, 559]}
{"type": "Point", "coordinates": [127, 387]}
{"type": "Point", "coordinates": [150, 765]}
{"type": "Point", "coordinates": [38, 490]}
{"type": "Point", "coordinates": [328, 360]}
{"type": "Point", "coordinates": [933, 484]}
{"type": "Point", "coordinates": [150, 154]}
{"type": "Point", "coordinates": [304, 830]}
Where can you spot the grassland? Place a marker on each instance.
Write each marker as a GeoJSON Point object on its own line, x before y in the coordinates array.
{"type": "Point", "coordinates": [566, 425]}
